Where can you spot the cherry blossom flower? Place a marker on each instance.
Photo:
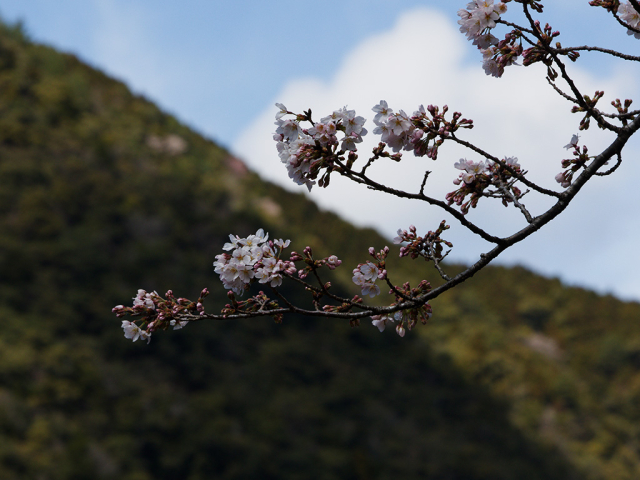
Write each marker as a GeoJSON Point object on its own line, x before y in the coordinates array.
{"type": "Point", "coordinates": [144, 299]}
{"type": "Point", "coordinates": [333, 262]}
{"type": "Point", "coordinates": [133, 332]}
{"type": "Point", "coordinates": [380, 321]}
{"type": "Point", "coordinates": [630, 16]}
{"type": "Point", "coordinates": [370, 289]}
{"type": "Point", "coordinates": [382, 112]}
{"type": "Point", "coordinates": [573, 143]}
{"type": "Point", "coordinates": [282, 243]}
{"type": "Point", "coordinates": [178, 325]}
{"type": "Point", "coordinates": [470, 170]}
{"type": "Point", "coordinates": [283, 111]}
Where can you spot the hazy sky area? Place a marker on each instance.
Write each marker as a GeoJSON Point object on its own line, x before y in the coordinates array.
{"type": "Point", "coordinates": [220, 66]}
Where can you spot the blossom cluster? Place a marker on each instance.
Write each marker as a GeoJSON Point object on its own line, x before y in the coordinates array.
{"type": "Point", "coordinates": [398, 130]}
{"type": "Point", "coordinates": [476, 178]}
{"type": "Point", "coordinates": [565, 177]}
{"type": "Point", "coordinates": [306, 151]}
{"type": "Point", "coordinates": [366, 274]}
{"type": "Point", "coordinates": [409, 317]}
{"type": "Point", "coordinates": [476, 22]}
{"type": "Point", "coordinates": [421, 133]}
{"type": "Point", "coordinates": [157, 313]}
{"type": "Point", "coordinates": [303, 150]}
{"type": "Point", "coordinates": [253, 257]}
{"type": "Point", "coordinates": [430, 246]}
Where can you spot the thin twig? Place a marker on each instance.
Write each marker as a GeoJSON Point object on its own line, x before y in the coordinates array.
{"type": "Point", "coordinates": [506, 167]}
{"type": "Point", "coordinates": [563, 51]}
{"type": "Point", "coordinates": [601, 121]}
{"type": "Point", "coordinates": [612, 169]}
{"type": "Point", "coordinates": [424, 181]}
{"type": "Point", "coordinates": [363, 179]}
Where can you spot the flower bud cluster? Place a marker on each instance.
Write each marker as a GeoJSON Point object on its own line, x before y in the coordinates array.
{"type": "Point", "coordinates": [157, 313]}
{"type": "Point", "coordinates": [590, 106]}
{"type": "Point", "coordinates": [421, 133]}
{"type": "Point", "coordinates": [259, 302]}
{"type": "Point", "coordinates": [251, 258]}
{"type": "Point", "coordinates": [476, 23]}
{"type": "Point", "coordinates": [565, 177]}
{"type": "Point", "coordinates": [305, 151]}
{"type": "Point", "coordinates": [408, 317]}
{"type": "Point", "coordinates": [541, 51]}
{"type": "Point", "coordinates": [504, 53]}
{"type": "Point", "coordinates": [476, 178]}
{"type": "Point", "coordinates": [331, 262]}
{"type": "Point", "coordinates": [366, 274]}
{"type": "Point", "coordinates": [609, 5]}
{"type": "Point", "coordinates": [430, 246]}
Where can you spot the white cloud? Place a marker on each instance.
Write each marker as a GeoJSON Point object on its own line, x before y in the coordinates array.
{"type": "Point", "coordinates": [423, 59]}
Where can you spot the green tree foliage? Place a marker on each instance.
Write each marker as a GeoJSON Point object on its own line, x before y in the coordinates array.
{"type": "Point", "coordinates": [101, 193]}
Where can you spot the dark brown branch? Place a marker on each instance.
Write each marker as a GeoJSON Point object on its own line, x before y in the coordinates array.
{"type": "Point", "coordinates": [520, 177]}
{"type": "Point", "coordinates": [612, 169]}
{"type": "Point", "coordinates": [614, 53]}
{"type": "Point", "coordinates": [363, 179]}
{"type": "Point", "coordinates": [424, 181]}
{"type": "Point", "coordinates": [625, 24]}
{"type": "Point", "coordinates": [594, 113]}
{"type": "Point", "coordinates": [565, 198]}
{"type": "Point", "coordinates": [517, 27]}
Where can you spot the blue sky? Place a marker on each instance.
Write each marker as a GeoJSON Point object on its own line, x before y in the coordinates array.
{"type": "Point", "coordinates": [219, 66]}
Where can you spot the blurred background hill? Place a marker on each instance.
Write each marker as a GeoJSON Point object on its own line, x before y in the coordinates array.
{"type": "Point", "coordinates": [101, 193]}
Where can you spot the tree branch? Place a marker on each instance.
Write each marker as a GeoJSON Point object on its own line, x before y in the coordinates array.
{"type": "Point", "coordinates": [363, 179]}
{"type": "Point", "coordinates": [594, 113]}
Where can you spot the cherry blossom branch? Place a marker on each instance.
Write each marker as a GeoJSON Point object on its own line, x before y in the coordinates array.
{"type": "Point", "coordinates": [625, 24]}
{"type": "Point", "coordinates": [313, 153]}
{"type": "Point", "coordinates": [517, 27]}
{"type": "Point", "coordinates": [538, 222]}
{"type": "Point", "coordinates": [504, 165]}
{"type": "Point", "coordinates": [161, 313]}
{"type": "Point", "coordinates": [363, 179]}
{"type": "Point", "coordinates": [581, 101]}
{"type": "Point", "coordinates": [563, 94]}
{"type": "Point", "coordinates": [563, 51]}
{"type": "Point", "coordinates": [506, 192]}
{"type": "Point", "coordinates": [393, 289]}
{"type": "Point", "coordinates": [620, 116]}
{"type": "Point", "coordinates": [323, 290]}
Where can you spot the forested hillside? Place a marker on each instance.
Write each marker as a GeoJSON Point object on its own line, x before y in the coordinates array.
{"type": "Point", "coordinates": [101, 193]}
